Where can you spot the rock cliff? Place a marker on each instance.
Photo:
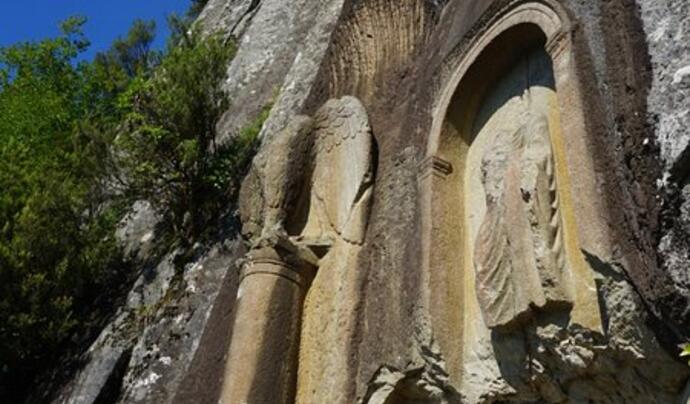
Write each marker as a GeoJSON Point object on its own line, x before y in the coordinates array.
{"type": "Point", "coordinates": [492, 199]}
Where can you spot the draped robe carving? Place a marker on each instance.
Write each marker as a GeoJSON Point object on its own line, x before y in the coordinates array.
{"type": "Point", "coordinates": [519, 253]}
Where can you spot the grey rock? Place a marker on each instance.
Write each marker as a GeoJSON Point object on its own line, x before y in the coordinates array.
{"type": "Point", "coordinates": [229, 18]}
{"type": "Point", "coordinates": [170, 338]}
{"type": "Point", "coordinates": [667, 27]}
{"type": "Point", "coordinates": [273, 41]}
{"type": "Point", "coordinates": [106, 362]}
{"type": "Point", "coordinates": [151, 287]}
{"type": "Point", "coordinates": [135, 233]}
{"type": "Point", "coordinates": [302, 76]}
{"type": "Point", "coordinates": [145, 351]}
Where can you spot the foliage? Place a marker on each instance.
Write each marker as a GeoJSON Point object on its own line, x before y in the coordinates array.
{"type": "Point", "coordinates": [112, 71]}
{"type": "Point", "coordinates": [167, 144]}
{"type": "Point", "coordinates": [685, 351]}
{"type": "Point", "coordinates": [79, 141]}
{"type": "Point", "coordinates": [132, 54]}
{"type": "Point", "coordinates": [57, 248]}
{"type": "Point", "coordinates": [195, 8]}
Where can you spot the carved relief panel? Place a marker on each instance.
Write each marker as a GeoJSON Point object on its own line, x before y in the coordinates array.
{"type": "Point", "coordinates": [304, 208]}
{"type": "Point", "coordinates": [507, 195]}
{"type": "Point", "coordinates": [514, 227]}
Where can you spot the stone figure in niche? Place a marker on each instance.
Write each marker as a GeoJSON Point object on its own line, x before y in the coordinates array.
{"type": "Point", "coordinates": [316, 181]}
{"type": "Point", "coordinates": [304, 207]}
{"type": "Point", "coordinates": [341, 174]}
{"type": "Point", "coordinates": [331, 220]}
{"type": "Point", "coordinates": [519, 254]}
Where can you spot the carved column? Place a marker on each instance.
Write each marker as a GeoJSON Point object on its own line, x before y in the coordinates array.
{"type": "Point", "coordinates": [439, 187]}
{"type": "Point", "coordinates": [262, 362]}
{"type": "Point", "coordinates": [578, 180]}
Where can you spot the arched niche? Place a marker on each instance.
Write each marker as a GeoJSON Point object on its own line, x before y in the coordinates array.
{"type": "Point", "coordinates": [516, 72]}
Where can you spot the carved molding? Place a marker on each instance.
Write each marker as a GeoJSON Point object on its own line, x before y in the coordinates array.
{"type": "Point", "coordinates": [274, 267]}
{"type": "Point", "coordinates": [445, 227]}
{"type": "Point", "coordinates": [548, 15]}
{"type": "Point", "coordinates": [557, 44]}
{"type": "Point", "coordinates": [435, 166]}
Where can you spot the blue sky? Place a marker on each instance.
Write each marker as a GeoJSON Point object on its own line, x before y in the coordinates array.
{"type": "Point", "coordinates": [23, 20]}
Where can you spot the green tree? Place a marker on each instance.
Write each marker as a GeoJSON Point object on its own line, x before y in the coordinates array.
{"type": "Point", "coordinates": [168, 142]}
{"type": "Point", "coordinates": [112, 71]}
{"type": "Point", "coordinates": [57, 250]}
{"type": "Point", "coordinates": [195, 8]}
{"type": "Point", "coordinates": [79, 141]}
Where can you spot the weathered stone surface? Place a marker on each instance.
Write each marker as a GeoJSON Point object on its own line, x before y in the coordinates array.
{"type": "Point", "coordinates": [261, 365]}
{"type": "Point", "coordinates": [306, 202]}
{"type": "Point", "coordinates": [104, 359]}
{"type": "Point", "coordinates": [273, 186]}
{"type": "Point", "coordinates": [519, 253]}
{"type": "Point", "coordinates": [340, 199]}
{"type": "Point", "coordinates": [667, 30]}
{"type": "Point", "coordinates": [313, 180]}
{"type": "Point", "coordinates": [342, 174]}
{"type": "Point", "coordinates": [495, 367]}
{"type": "Point", "coordinates": [136, 232]}
{"type": "Point", "coordinates": [499, 383]}
{"type": "Point", "coordinates": [143, 354]}
{"type": "Point", "coordinates": [272, 35]}
{"type": "Point", "coordinates": [101, 377]}
{"type": "Point", "coordinates": [228, 17]}
{"type": "Point", "coordinates": [519, 250]}
{"type": "Point", "coordinates": [392, 315]}
{"type": "Point", "coordinates": [174, 326]}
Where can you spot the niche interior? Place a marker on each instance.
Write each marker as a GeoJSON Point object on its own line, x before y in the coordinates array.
{"type": "Point", "coordinates": [508, 196]}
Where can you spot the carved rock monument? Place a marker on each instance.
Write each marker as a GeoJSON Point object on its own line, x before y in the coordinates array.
{"type": "Point", "coordinates": [454, 201]}
{"type": "Point", "coordinates": [480, 278]}
{"type": "Point", "coordinates": [519, 252]}
{"type": "Point", "coordinates": [306, 205]}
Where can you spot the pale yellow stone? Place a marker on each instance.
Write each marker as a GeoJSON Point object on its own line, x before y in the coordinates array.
{"type": "Point", "coordinates": [341, 187]}
{"type": "Point", "coordinates": [306, 204]}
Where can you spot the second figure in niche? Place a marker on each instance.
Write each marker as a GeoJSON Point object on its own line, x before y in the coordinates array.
{"type": "Point", "coordinates": [519, 254]}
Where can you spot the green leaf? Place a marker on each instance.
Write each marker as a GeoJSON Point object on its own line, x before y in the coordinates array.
{"type": "Point", "coordinates": [685, 351]}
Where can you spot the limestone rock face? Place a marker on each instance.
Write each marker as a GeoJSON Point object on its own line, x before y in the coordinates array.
{"type": "Point", "coordinates": [455, 201]}
{"type": "Point", "coordinates": [533, 286]}
{"type": "Point", "coordinates": [143, 355]}
{"type": "Point", "coordinates": [667, 31]}
{"type": "Point", "coordinates": [280, 47]}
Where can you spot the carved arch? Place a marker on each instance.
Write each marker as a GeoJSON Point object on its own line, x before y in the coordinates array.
{"type": "Point", "coordinates": [548, 16]}
{"type": "Point", "coordinates": [467, 76]}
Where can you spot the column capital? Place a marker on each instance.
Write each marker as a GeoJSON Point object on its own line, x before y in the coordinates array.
{"type": "Point", "coordinates": [278, 261]}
